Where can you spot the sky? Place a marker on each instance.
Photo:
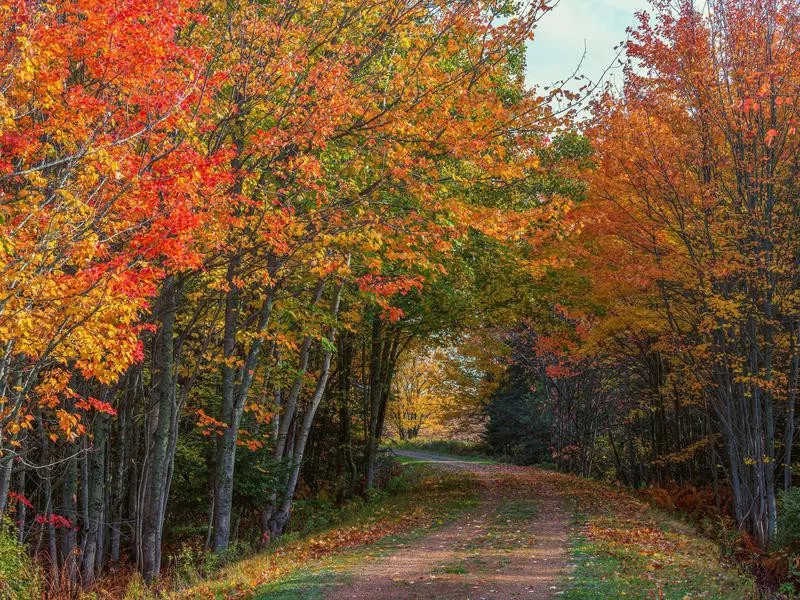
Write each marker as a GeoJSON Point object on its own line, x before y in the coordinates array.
{"type": "Point", "coordinates": [560, 37]}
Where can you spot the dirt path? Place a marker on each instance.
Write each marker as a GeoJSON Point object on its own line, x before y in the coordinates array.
{"type": "Point", "coordinates": [514, 545]}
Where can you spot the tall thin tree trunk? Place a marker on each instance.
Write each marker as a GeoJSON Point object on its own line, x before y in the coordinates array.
{"type": "Point", "coordinates": [5, 482]}
{"type": "Point", "coordinates": [164, 402]}
{"type": "Point", "coordinates": [97, 479]}
{"type": "Point", "coordinates": [69, 538]}
{"type": "Point", "coordinates": [374, 398]}
{"type": "Point", "coordinates": [794, 381]}
{"type": "Point", "coordinates": [234, 397]}
{"type": "Point", "coordinates": [280, 518]}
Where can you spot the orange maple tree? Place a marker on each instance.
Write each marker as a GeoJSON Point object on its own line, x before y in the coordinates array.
{"type": "Point", "coordinates": [680, 280]}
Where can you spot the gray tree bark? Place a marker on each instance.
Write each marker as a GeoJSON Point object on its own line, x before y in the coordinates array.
{"type": "Point", "coordinates": [164, 401]}
{"type": "Point", "coordinates": [279, 519]}
{"type": "Point", "coordinates": [97, 485]}
{"type": "Point", "coordinates": [236, 384]}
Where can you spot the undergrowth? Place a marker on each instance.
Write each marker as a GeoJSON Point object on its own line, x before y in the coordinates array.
{"type": "Point", "coordinates": [19, 578]}
{"type": "Point", "coordinates": [622, 547]}
{"type": "Point", "coordinates": [401, 507]}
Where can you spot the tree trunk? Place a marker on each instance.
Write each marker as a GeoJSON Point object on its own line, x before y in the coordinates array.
{"type": "Point", "coordinates": [5, 482]}
{"type": "Point", "coordinates": [286, 412]}
{"type": "Point", "coordinates": [383, 359]}
{"type": "Point", "coordinates": [97, 479]}
{"type": "Point", "coordinates": [234, 397]}
{"type": "Point", "coordinates": [794, 381]}
{"type": "Point", "coordinates": [69, 538]}
{"type": "Point", "coordinates": [279, 519]}
{"type": "Point", "coordinates": [164, 401]}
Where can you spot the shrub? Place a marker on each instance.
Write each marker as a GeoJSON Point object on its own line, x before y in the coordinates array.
{"type": "Point", "coordinates": [137, 589]}
{"type": "Point", "coordinates": [789, 518]}
{"type": "Point", "coordinates": [405, 481]}
{"type": "Point", "coordinates": [19, 577]}
{"type": "Point", "coordinates": [311, 515]}
{"type": "Point", "coordinates": [195, 564]}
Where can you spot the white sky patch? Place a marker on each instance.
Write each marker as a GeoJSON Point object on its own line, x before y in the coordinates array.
{"type": "Point", "coordinates": [574, 25]}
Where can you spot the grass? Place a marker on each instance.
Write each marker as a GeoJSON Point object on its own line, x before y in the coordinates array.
{"type": "Point", "coordinates": [621, 546]}
{"type": "Point", "coordinates": [465, 565]}
{"type": "Point", "coordinates": [304, 567]}
{"type": "Point", "coordinates": [409, 460]}
{"type": "Point", "coordinates": [624, 548]}
{"type": "Point", "coordinates": [313, 580]}
{"type": "Point", "coordinates": [475, 451]}
{"type": "Point", "coordinates": [507, 529]}
{"type": "Point", "coordinates": [302, 584]}
{"type": "Point", "coordinates": [458, 568]}
{"type": "Point", "coordinates": [605, 571]}
{"type": "Point", "coordinates": [518, 511]}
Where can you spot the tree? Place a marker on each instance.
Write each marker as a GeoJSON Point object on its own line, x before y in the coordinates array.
{"type": "Point", "coordinates": [100, 185]}
{"type": "Point", "coordinates": [209, 212]}
{"type": "Point", "coordinates": [681, 285]}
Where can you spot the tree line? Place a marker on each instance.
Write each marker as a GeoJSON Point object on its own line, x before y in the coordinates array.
{"type": "Point", "coordinates": [226, 226]}
{"type": "Point", "coordinates": [668, 348]}
{"type": "Point", "coordinates": [221, 223]}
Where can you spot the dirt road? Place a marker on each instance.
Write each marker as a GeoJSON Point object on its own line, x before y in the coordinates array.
{"type": "Point", "coordinates": [513, 545]}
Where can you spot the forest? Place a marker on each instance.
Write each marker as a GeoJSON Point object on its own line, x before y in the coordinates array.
{"type": "Point", "coordinates": [249, 247]}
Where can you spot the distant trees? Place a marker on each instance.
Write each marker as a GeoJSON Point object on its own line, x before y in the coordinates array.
{"type": "Point", "coordinates": [415, 401]}
{"type": "Point", "coordinates": [519, 422]}
{"type": "Point", "coordinates": [442, 391]}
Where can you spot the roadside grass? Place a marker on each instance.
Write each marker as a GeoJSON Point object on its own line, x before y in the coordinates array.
{"type": "Point", "coordinates": [305, 566]}
{"type": "Point", "coordinates": [624, 548]}
{"type": "Point", "coordinates": [301, 584]}
{"type": "Point", "coordinates": [410, 460]}
{"type": "Point", "coordinates": [621, 546]}
{"type": "Point", "coordinates": [474, 451]}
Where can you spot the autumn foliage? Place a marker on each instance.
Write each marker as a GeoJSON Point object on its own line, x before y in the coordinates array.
{"type": "Point", "coordinates": [208, 208]}
{"type": "Point", "coordinates": [238, 238]}
{"type": "Point", "coordinates": [671, 349]}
